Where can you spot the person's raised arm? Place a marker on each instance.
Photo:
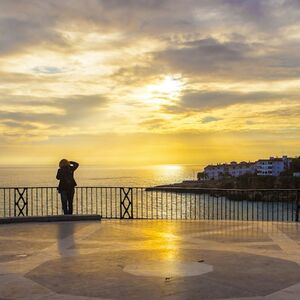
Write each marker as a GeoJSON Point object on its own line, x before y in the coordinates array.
{"type": "Point", "coordinates": [74, 165]}
{"type": "Point", "coordinates": [58, 175]}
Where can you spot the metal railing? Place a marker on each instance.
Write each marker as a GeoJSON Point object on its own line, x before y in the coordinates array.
{"type": "Point", "coordinates": [151, 203]}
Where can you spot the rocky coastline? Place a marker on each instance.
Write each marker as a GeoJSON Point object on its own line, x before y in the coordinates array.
{"type": "Point", "coordinates": [258, 188]}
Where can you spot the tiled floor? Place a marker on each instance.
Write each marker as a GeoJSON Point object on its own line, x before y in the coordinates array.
{"type": "Point", "coordinates": [150, 260]}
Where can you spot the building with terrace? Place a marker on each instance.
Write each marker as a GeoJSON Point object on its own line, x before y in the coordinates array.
{"type": "Point", "coordinates": [272, 166]}
{"type": "Point", "coordinates": [233, 169]}
{"type": "Point", "coordinates": [263, 167]}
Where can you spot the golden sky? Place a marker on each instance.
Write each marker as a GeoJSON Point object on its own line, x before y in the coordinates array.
{"type": "Point", "coordinates": [124, 82]}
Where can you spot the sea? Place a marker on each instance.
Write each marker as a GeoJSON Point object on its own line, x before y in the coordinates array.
{"type": "Point", "coordinates": [92, 198]}
{"type": "Point", "coordinates": [96, 176]}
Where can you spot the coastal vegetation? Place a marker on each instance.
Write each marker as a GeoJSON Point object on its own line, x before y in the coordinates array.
{"type": "Point", "coordinates": [250, 181]}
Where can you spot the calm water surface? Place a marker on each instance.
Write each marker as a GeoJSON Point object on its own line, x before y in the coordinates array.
{"type": "Point", "coordinates": [159, 205]}
{"type": "Point", "coordinates": [97, 176]}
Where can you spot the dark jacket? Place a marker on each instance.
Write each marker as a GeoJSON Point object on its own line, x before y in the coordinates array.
{"type": "Point", "coordinates": [65, 175]}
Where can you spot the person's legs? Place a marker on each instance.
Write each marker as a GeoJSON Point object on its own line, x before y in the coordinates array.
{"type": "Point", "coordinates": [64, 201]}
{"type": "Point", "coordinates": [70, 201]}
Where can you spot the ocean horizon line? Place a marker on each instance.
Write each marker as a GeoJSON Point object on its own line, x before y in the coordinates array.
{"type": "Point", "coordinates": [112, 167]}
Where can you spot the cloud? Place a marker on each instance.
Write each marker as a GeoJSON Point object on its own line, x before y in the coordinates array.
{"type": "Point", "coordinates": [202, 56]}
{"type": "Point", "coordinates": [193, 100]}
{"type": "Point", "coordinates": [237, 60]}
{"type": "Point", "coordinates": [7, 78]}
{"type": "Point", "coordinates": [137, 74]}
{"type": "Point", "coordinates": [227, 39]}
{"type": "Point", "coordinates": [33, 22]}
{"type": "Point", "coordinates": [210, 119]}
{"type": "Point", "coordinates": [47, 70]}
{"type": "Point", "coordinates": [203, 100]}
{"type": "Point", "coordinates": [212, 59]}
{"type": "Point", "coordinates": [81, 106]}
{"type": "Point", "coordinates": [285, 113]}
{"type": "Point", "coordinates": [25, 24]}
{"type": "Point", "coordinates": [59, 112]}
{"type": "Point", "coordinates": [21, 125]}
{"type": "Point", "coordinates": [18, 34]}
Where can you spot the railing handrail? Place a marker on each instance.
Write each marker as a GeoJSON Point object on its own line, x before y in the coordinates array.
{"type": "Point", "coordinates": [218, 189]}
{"type": "Point", "coordinates": [157, 188]}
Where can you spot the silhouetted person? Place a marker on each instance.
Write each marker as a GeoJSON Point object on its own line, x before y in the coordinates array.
{"type": "Point", "coordinates": [67, 183]}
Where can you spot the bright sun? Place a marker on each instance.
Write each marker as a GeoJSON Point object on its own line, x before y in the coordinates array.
{"type": "Point", "coordinates": [169, 85]}
{"type": "Point", "coordinates": [164, 90]}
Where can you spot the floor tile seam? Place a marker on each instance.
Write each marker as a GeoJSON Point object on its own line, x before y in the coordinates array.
{"type": "Point", "coordinates": [63, 296]}
{"type": "Point", "coordinates": [74, 297]}
{"type": "Point", "coordinates": [30, 264]}
{"type": "Point", "coordinates": [281, 295]}
{"type": "Point", "coordinates": [3, 238]}
{"type": "Point", "coordinates": [259, 252]}
{"type": "Point", "coordinates": [17, 252]}
{"type": "Point", "coordinates": [216, 244]}
{"type": "Point", "coordinates": [275, 256]}
{"type": "Point", "coordinates": [247, 244]}
{"type": "Point", "coordinates": [225, 284]}
{"type": "Point", "coordinates": [17, 277]}
{"type": "Point", "coordinates": [245, 298]}
{"type": "Point", "coordinates": [289, 288]}
{"type": "Point", "coordinates": [272, 254]}
{"type": "Point", "coordinates": [284, 242]}
{"type": "Point", "coordinates": [219, 231]}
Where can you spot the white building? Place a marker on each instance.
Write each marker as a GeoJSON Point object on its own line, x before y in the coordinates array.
{"type": "Point", "coordinates": [272, 166]}
{"type": "Point", "coordinates": [263, 167]}
{"type": "Point", "coordinates": [233, 169]}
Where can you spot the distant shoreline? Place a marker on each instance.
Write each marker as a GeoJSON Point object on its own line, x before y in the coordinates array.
{"type": "Point", "coordinates": [253, 182]}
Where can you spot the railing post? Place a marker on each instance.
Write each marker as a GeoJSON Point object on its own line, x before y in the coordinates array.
{"type": "Point", "coordinates": [15, 205]}
{"type": "Point", "coordinates": [297, 205]}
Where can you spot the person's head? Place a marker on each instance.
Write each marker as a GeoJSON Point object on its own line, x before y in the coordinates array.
{"type": "Point", "coordinates": [64, 163]}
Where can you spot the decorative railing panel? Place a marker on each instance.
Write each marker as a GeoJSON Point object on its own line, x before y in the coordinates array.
{"type": "Point", "coordinates": [21, 201]}
{"type": "Point", "coordinates": [126, 205]}
{"type": "Point", "coordinates": [149, 203]}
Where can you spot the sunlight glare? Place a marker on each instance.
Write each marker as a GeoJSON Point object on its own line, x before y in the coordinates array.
{"type": "Point", "coordinates": [170, 86]}
{"type": "Point", "coordinates": [163, 91]}
{"type": "Point", "coordinates": [171, 167]}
